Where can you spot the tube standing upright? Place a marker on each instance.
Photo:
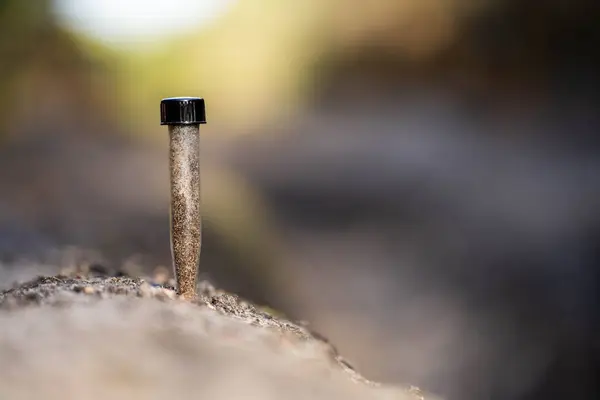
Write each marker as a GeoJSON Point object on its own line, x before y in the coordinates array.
{"type": "Point", "coordinates": [183, 115]}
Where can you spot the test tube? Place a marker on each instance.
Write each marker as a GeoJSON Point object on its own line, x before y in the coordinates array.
{"type": "Point", "coordinates": [183, 116]}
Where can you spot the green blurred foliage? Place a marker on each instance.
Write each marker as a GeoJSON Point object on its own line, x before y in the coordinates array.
{"type": "Point", "coordinates": [22, 25]}
{"type": "Point", "coordinates": [249, 64]}
{"type": "Point", "coordinates": [43, 68]}
{"type": "Point", "coordinates": [265, 59]}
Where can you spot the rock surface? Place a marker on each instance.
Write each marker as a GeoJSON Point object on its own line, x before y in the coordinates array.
{"type": "Point", "coordinates": [124, 338]}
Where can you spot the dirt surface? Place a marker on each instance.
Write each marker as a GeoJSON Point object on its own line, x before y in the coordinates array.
{"type": "Point", "coordinates": [121, 337]}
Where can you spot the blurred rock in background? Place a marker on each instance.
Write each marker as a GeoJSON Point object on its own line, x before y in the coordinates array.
{"type": "Point", "coordinates": [417, 179]}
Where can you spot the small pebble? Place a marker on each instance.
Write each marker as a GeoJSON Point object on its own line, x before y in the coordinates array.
{"type": "Point", "coordinates": [89, 290]}
{"type": "Point", "coordinates": [160, 276]}
{"type": "Point", "coordinates": [145, 290]}
{"type": "Point", "coordinates": [165, 294]}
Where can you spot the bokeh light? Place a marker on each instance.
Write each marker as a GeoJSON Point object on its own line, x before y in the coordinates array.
{"type": "Point", "coordinates": [123, 22]}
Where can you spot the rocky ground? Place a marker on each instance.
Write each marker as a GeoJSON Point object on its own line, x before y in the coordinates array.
{"type": "Point", "coordinates": [98, 337]}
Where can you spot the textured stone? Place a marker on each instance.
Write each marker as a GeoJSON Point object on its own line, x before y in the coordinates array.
{"type": "Point", "coordinates": [136, 340]}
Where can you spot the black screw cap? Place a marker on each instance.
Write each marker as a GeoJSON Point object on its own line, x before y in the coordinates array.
{"type": "Point", "coordinates": [182, 111]}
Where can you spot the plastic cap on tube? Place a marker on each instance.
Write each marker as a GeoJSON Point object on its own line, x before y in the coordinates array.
{"type": "Point", "coordinates": [182, 111]}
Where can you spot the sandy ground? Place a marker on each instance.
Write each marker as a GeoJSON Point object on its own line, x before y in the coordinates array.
{"type": "Point", "coordinates": [117, 337]}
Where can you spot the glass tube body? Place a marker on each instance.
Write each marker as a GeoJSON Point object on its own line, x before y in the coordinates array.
{"type": "Point", "coordinates": [185, 218]}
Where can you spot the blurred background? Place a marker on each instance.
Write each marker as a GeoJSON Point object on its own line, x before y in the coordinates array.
{"type": "Point", "coordinates": [416, 178]}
